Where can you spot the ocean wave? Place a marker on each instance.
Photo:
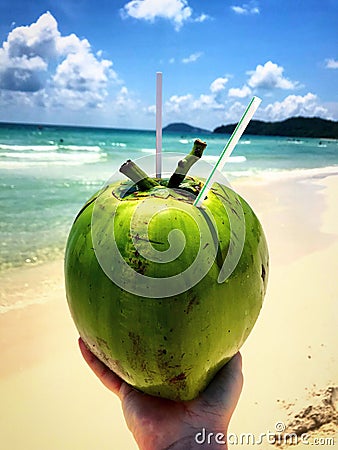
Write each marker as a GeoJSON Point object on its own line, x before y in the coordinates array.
{"type": "Point", "coordinates": [295, 141]}
{"type": "Point", "coordinates": [23, 161]}
{"type": "Point", "coordinates": [240, 173]}
{"type": "Point", "coordinates": [32, 156]}
{"type": "Point", "coordinates": [148, 150]}
{"type": "Point", "coordinates": [268, 175]}
{"type": "Point", "coordinates": [22, 148]}
{"type": "Point", "coordinates": [118, 144]}
{"type": "Point", "coordinates": [57, 157]}
{"type": "Point", "coordinates": [232, 159]}
{"type": "Point", "coordinates": [81, 148]}
{"type": "Point", "coordinates": [317, 172]}
{"type": "Point", "coordinates": [50, 148]}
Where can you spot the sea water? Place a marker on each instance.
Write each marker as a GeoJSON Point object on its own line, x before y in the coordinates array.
{"type": "Point", "coordinates": [48, 172]}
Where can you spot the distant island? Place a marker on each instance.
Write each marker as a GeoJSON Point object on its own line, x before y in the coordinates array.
{"type": "Point", "coordinates": [181, 127]}
{"type": "Point", "coordinates": [294, 127]}
{"type": "Point", "coordinates": [311, 127]}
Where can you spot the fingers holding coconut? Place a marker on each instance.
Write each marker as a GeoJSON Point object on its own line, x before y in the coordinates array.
{"type": "Point", "coordinates": [225, 389]}
{"type": "Point", "coordinates": [112, 381]}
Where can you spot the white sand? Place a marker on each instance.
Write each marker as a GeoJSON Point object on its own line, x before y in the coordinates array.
{"type": "Point", "coordinates": [50, 399]}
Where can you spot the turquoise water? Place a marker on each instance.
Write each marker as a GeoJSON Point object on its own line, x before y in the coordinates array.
{"type": "Point", "coordinates": [47, 173]}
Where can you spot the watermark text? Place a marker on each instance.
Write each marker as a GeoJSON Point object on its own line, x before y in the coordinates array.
{"type": "Point", "coordinates": [277, 437]}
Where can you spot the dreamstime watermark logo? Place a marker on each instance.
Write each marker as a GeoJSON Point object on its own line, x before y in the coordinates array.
{"type": "Point", "coordinates": [110, 214]}
{"type": "Point", "coordinates": [277, 437]}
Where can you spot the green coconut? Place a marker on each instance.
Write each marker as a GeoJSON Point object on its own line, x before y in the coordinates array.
{"type": "Point", "coordinates": [167, 324]}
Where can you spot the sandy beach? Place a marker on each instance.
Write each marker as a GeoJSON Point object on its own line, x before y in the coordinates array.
{"type": "Point", "coordinates": [51, 400]}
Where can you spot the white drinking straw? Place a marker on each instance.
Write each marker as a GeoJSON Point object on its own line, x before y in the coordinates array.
{"type": "Point", "coordinates": [227, 150]}
{"type": "Point", "coordinates": [158, 124]}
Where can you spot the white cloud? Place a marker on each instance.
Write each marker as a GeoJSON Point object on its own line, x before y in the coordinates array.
{"type": "Point", "coordinates": [202, 18]}
{"type": "Point", "coordinates": [36, 58]}
{"type": "Point", "coordinates": [71, 44]}
{"type": "Point", "coordinates": [73, 100]}
{"type": "Point", "coordinates": [192, 58]}
{"type": "Point", "coordinates": [10, 99]}
{"type": "Point", "coordinates": [201, 110]}
{"type": "Point", "coordinates": [23, 56]}
{"type": "Point", "coordinates": [234, 112]}
{"type": "Point", "coordinates": [207, 102]}
{"type": "Point", "coordinates": [208, 110]}
{"type": "Point", "coordinates": [242, 92]}
{"type": "Point", "coordinates": [151, 110]}
{"type": "Point", "coordinates": [246, 8]}
{"type": "Point", "coordinates": [187, 104]}
{"type": "Point", "coordinates": [295, 105]}
{"type": "Point", "coordinates": [178, 103]}
{"type": "Point", "coordinates": [189, 108]}
{"type": "Point", "coordinates": [270, 76]}
{"type": "Point", "coordinates": [82, 72]}
{"type": "Point", "coordinates": [218, 85]}
{"type": "Point", "coordinates": [37, 39]}
{"type": "Point", "coordinates": [177, 11]}
{"type": "Point", "coordinates": [125, 102]}
{"type": "Point", "coordinates": [331, 63]}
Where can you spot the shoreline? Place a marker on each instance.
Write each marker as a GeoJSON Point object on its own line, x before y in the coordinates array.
{"type": "Point", "coordinates": [278, 175]}
{"type": "Point", "coordinates": [240, 184]}
{"type": "Point", "coordinates": [269, 197]}
{"type": "Point", "coordinates": [289, 360]}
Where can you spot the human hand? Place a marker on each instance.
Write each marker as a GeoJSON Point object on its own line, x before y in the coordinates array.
{"type": "Point", "coordinates": [161, 424]}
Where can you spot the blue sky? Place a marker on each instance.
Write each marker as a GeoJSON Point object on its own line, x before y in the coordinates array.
{"type": "Point", "coordinates": [94, 63]}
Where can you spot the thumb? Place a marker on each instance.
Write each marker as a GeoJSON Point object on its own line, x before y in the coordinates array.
{"type": "Point", "coordinates": [224, 390]}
